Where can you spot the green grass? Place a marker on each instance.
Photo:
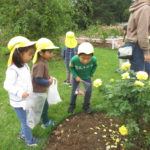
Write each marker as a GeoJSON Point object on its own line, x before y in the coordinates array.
{"type": "Point", "coordinates": [9, 124]}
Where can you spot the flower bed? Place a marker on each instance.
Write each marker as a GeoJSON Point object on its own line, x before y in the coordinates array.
{"type": "Point", "coordinates": [87, 132]}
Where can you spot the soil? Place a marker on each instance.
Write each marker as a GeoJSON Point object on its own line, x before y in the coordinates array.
{"type": "Point", "coordinates": [87, 132]}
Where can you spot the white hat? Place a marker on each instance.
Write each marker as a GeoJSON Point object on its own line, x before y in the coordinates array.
{"type": "Point", "coordinates": [86, 48]}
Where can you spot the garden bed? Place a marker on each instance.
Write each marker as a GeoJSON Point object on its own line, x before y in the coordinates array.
{"type": "Point", "coordinates": [87, 132]}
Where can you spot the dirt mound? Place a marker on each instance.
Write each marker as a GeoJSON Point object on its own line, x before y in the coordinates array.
{"type": "Point", "coordinates": [86, 132]}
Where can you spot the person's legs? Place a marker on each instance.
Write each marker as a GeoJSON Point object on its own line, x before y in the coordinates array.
{"type": "Point", "coordinates": [121, 61]}
{"type": "Point", "coordinates": [68, 75]}
{"type": "Point", "coordinates": [25, 130]}
{"type": "Point", "coordinates": [73, 96]}
{"type": "Point", "coordinates": [137, 60]}
{"type": "Point", "coordinates": [44, 115]}
{"type": "Point", "coordinates": [87, 97]}
{"type": "Point", "coordinates": [147, 67]}
{"type": "Point", "coordinates": [45, 119]}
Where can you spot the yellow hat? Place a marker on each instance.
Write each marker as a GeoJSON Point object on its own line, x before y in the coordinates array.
{"type": "Point", "coordinates": [70, 40]}
{"type": "Point", "coordinates": [43, 44]}
{"type": "Point", "coordinates": [17, 42]}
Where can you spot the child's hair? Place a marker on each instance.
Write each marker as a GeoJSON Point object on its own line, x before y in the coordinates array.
{"type": "Point", "coordinates": [85, 54]}
{"type": "Point", "coordinates": [16, 56]}
{"type": "Point", "coordinates": [43, 51]}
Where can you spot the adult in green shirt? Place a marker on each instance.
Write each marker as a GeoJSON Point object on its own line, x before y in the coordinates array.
{"type": "Point", "coordinates": [82, 67]}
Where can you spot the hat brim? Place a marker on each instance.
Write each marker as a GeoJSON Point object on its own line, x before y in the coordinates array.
{"type": "Point", "coordinates": [52, 47]}
{"type": "Point", "coordinates": [31, 43]}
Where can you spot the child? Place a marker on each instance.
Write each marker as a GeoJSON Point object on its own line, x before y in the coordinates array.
{"type": "Point", "coordinates": [18, 82]}
{"type": "Point", "coordinates": [82, 66]}
{"type": "Point", "coordinates": [69, 50]}
{"type": "Point", "coordinates": [40, 74]}
{"type": "Point", "coordinates": [121, 61]}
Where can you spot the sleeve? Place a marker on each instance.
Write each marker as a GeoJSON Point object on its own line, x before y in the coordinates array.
{"type": "Point", "coordinates": [94, 66]}
{"type": "Point", "coordinates": [143, 29]}
{"type": "Point", "coordinates": [9, 83]}
{"type": "Point", "coordinates": [42, 81]}
{"type": "Point", "coordinates": [38, 71]}
{"type": "Point", "coordinates": [72, 69]}
{"type": "Point", "coordinates": [63, 52]}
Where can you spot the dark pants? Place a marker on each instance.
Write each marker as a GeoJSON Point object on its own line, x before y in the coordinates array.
{"type": "Point", "coordinates": [88, 92]}
{"type": "Point", "coordinates": [44, 116]}
{"type": "Point", "coordinates": [137, 60]}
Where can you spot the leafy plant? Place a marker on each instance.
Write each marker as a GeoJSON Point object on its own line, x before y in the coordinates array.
{"type": "Point", "coordinates": [128, 98]}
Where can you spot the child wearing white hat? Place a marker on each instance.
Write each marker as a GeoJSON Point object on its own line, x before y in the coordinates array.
{"type": "Point", "coordinates": [82, 66]}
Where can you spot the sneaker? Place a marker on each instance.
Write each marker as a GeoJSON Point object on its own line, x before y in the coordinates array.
{"type": "Point", "coordinates": [34, 142]}
{"type": "Point", "coordinates": [66, 82]}
{"type": "Point", "coordinates": [21, 137]}
{"type": "Point", "coordinates": [88, 109]}
{"type": "Point", "coordinates": [49, 123]}
{"type": "Point", "coordinates": [71, 109]}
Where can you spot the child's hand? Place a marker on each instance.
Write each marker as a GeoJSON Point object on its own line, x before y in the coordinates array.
{"type": "Point", "coordinates": [25, 95]}
{"type": "Point", "coordinates": [50, 80]}
{"type": "Point", "coordinates": [78, 79]}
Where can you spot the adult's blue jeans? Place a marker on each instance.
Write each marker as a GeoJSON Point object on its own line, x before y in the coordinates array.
{"type": "Point", "coordinates": [137, 59]}
{"type": "Point", "coordinates": [25, 130]}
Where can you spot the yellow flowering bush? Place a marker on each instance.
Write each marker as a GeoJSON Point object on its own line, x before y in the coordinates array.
{"type": "Point", "coordinates": [123, 130]}
{"type": "Point", "coordinates": [139, 83]}
{"type": "Point", "coordinates": [142, 75]}
{"type": "Point", "coordinates": [129, 100]}
{"type": "Point", "coordinates": [97, 82]}
{"type": "Point", "coordinates": [125, 66]}
{"type": "Point", "coordinates": [125, 75]}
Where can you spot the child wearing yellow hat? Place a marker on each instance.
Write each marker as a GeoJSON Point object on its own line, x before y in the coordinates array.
{"type": "Point", "coordinates": [41, 79]}
{"type": "Point", "coordinates": [18, 83]}
{"type": "Point", "coordinates": [69, 50]}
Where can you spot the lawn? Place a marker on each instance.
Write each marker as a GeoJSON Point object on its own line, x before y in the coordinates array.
{"type": "Point", "coordinates": [9, 124]}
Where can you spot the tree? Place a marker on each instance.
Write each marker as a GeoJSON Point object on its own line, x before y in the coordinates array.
{"type": "Point", "coordinates": [111, 11]}
{"type": "Point", "coordinates": [35, 19]}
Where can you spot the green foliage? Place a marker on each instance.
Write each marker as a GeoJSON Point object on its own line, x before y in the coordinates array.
{"type": "Point", "coordinates": [131, 103]}
{"type": "Point", "coordinates": [35, 19]}
{"type": "Point", "coordinates": [83, 13]}
{"type": "Point", "coordinates": [111, 11]}
{"type": "Point", "coordinates": [98, 31]}
{"type": "Point", "coordinates": [46, 18]}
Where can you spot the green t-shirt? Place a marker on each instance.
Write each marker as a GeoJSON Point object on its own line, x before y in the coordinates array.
{"type": "Point", "coordinates": [81, 70]}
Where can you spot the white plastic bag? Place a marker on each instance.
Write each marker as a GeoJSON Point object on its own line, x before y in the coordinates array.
{"type": "Point", "coordinates": [82, 88]}
{"type": "Point", "coordinates": [53, 94]}
{"type": "Point", "coordinates": [34, 108]}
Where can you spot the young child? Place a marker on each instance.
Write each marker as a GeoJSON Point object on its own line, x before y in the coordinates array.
{"type": "Point", "coordinates": [40, 74]}
{"type": "Point", "coordinates": [69, 50]}
{"type": "Point", "coordinates": [82, 66]}
{"type": "Point", "coordinates": [18, 82]}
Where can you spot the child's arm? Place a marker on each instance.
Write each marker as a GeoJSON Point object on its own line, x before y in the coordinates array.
{"type": "Point", "coordinates": [42, 81]}
{"type": "Point", "coordinates": [94, 66]}
{"type": "Point", "coordinates": [9, 83]}
{"type": "Point", "coordinates": [72, 69]}
{"type": "Point", "coordinates": [37, 75]}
